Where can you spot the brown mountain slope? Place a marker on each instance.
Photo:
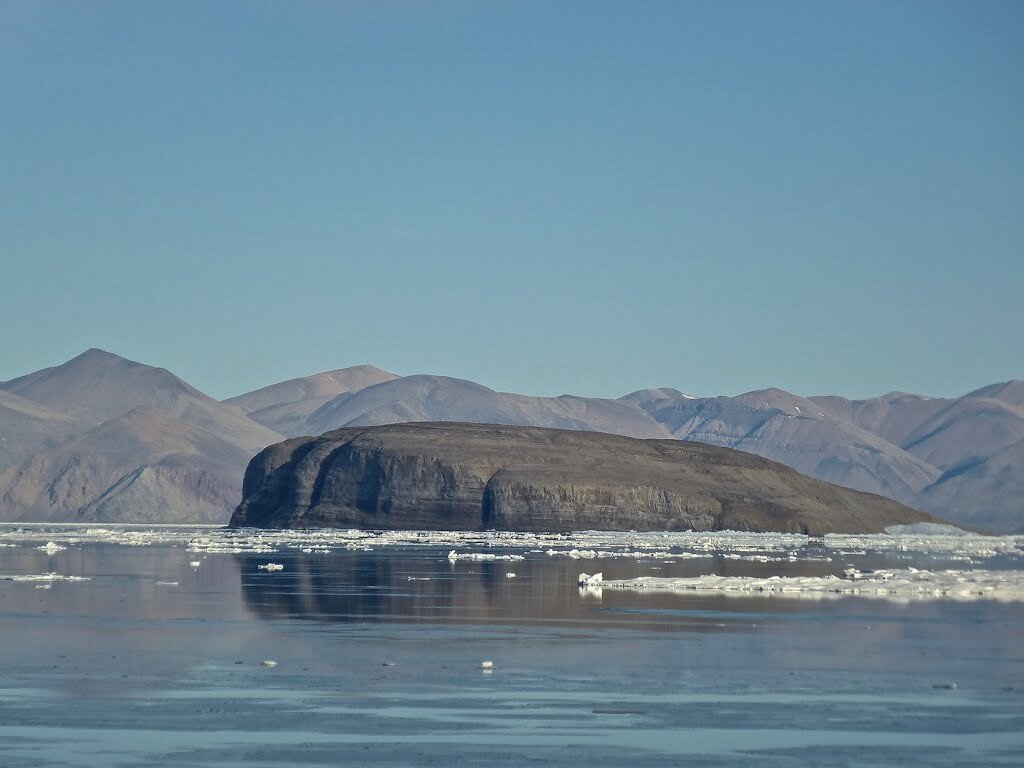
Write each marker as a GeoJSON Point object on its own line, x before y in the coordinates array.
{"type": "Point", "coordinates": [146, 465]}
{"type": "Point", "coordinates": [25, 427]}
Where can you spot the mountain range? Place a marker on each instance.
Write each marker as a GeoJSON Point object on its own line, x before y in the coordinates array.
{"type": "Point", "coordinates": [102, 438]}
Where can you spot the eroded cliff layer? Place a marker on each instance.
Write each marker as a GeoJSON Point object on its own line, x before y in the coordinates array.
{"type": "Point", "coordinates": [453, 476]}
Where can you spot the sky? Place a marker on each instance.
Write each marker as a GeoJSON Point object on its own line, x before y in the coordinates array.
{"type": "Point", "coordinates": [544, 197]}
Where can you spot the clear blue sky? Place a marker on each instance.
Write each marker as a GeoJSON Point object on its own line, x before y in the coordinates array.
{"type": "Point", "coordinates": [544, 197]}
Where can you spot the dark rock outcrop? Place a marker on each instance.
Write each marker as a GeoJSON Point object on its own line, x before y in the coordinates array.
{"type": "Point", "coordinates": [455, 476]}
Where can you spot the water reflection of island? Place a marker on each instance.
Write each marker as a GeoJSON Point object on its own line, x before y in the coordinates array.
{"type": "Point", "coordinates": [424, 587]}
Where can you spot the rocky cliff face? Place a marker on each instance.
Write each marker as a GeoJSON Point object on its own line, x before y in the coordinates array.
{"type": "Point", "coordinates": [453, 476]}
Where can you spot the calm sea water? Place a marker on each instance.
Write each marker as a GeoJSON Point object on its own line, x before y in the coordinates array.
{"type": "Point", "coordinates": [378, 662]}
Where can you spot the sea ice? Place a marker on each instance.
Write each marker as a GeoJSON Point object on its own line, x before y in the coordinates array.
{"type": "Point", "coordinates": [480, 556]}
{"type": "Point", "coordinates": [905, 541]}
{"type": "Point", "coordinates": [48, 577]}
{"type": "Point", "coordinates": [899, 585]}
{"type": "Point", "coordinates": [271, 567]}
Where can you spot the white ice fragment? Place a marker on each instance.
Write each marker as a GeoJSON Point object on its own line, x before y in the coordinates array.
{"type": "Point", "coordinates": [586, 580]}
{"type": "Point", "coordinates": [168, 583]}
{"type": "Point", "coordinates": [195, 563]}
{"type": "Point", "coordinates": [270, 663]}
{"type": "Point", "coordinates": [510, 575]}
{"type": "Point", "coordinates": [51, 548]}
{"type": "Point", "coordinates": [47, 577]}
{"type": "Point", "coordinates": [454, 556]}
{"type": "Point", "coordinates": [271, 567]}
{"type": "Point", "coordinates": [681, 546]}
{"type": "Point", "coordinates": [898, 585]}
{"type": "Point", "coordinates": [487, 665]}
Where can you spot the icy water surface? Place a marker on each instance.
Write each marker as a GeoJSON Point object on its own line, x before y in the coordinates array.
{"type": "Point", "coordinates": [145, 646]}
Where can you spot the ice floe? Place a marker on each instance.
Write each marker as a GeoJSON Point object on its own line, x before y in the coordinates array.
{"type": "Point", "coordinates": [453, 556]}
{"type": "Point", "coordinates": [51, 548]}
{"type": "Point", "coordinates": [47, 577]}
{"type": "Point", "coordinates": [925, 539]}
{"type": "Point", "coordinates": [590, 554]}
{"type": "Point", "coordinates": [271, 567]}
{"type": "Point", "coordinates": [894, 584]}
{"type": "Point", "coordinates": [590, 585]}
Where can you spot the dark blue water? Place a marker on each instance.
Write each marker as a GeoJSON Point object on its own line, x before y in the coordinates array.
{"type": "Point", "coordinates": [378, 662]}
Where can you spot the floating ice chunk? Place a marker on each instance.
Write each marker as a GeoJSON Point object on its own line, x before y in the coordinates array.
{"type": "Point", "coordinates": [168, 583]}
{"type": "Point", "coordinates": [48, 577]}
{"type": "Point", "coordinates": [510, 575]}
{"type": "Point", "coordinates": [590, 554]}
{"type": "Point", "coordinates": [576, 554]}
{"type": "Point", "coordinates": [586, 580]}
{"type": "Point", "coordinates": [453, 556]}
{"type": "Point", "coordinates": [271, 567]}
{"type": "Point", "coordinates": [683, 545]}
{"type": "Point", "coordinates": [44, 586]}
{"type": "Point", "coordinates": [269, 663]}
{"type": "Point", "coordinates": [195, 563]}
{"type": "Point", "coordinates": [486, 665]}
{"type": "Point", "coordinates": [899, 585]}
{"type": "Point", "coordinates": [51, 548]}
{"type": "Point", "coordinates": [417, 578]}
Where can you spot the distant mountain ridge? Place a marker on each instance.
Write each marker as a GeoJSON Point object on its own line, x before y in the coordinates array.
{"type": "Point", "coordinates": [287, 405]}
{"type": "Point", "coordinates": [959, 458]}
{"type": "Point", "coordinates": [441, 398]}
{"type": "Point", "coordinates": [104, 438]}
